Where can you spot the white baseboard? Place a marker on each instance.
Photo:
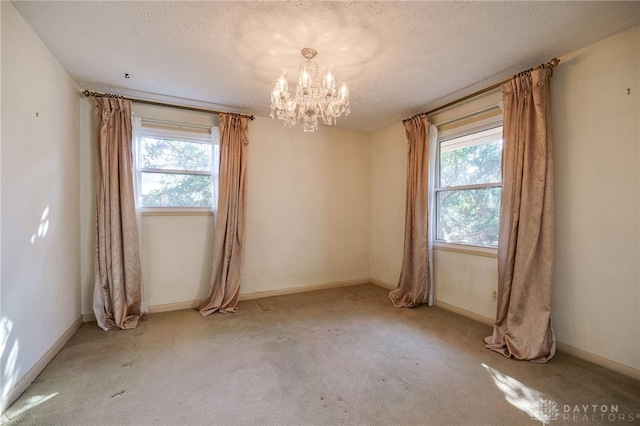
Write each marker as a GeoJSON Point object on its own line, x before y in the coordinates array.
{"type": "Point", "coordinates": [31, 375]}
{"type": "Point", "coordinates": [465, 313]}
{"type": "Point", "coordinates": [303, 288]}
{"type": "Point", "coordinates": [383, 284]}
{"type": "Point", "coordinates": [598, 360]}
{"type": "Point", "coordinates": [587, 356]}
{"type": "Point", "coordinates": [563, 347]}
{"type": "Point", "coordinates": [192, 304]}
{"type": "Point", "coordinates": [167, 307]}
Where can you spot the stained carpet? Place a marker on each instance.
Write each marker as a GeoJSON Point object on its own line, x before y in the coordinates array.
{"type": "Point", "coordinates": [333, 357]}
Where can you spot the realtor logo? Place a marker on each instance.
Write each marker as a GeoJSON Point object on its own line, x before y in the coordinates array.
{"type": "Point", "coordinates": [545, 410]}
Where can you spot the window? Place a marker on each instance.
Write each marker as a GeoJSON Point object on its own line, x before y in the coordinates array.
{"type": "Point", "coordinates": [468, 187]}
{"type": "Point", "coordinates": [177, 168]}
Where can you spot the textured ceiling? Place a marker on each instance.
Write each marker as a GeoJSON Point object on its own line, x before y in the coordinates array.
{"type": "Point", "coordinates": [399, 58]}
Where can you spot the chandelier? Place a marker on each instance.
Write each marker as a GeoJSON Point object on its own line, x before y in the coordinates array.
{"type": "Point", "coordinates": [314, 97]}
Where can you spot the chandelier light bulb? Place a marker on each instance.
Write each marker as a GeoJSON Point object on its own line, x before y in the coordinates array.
{"type": "Point", "coordinates": [314, 96]}
{"type": "Point", "coordinates": [344, 92]}
{"type": "Point", "coordinates": [281, 84]}
{"type": "Point", "coordinates": [305, 79]}
{"type": "Point", "coordinates": [329, 83]}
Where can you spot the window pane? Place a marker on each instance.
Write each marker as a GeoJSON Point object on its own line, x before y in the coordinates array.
{"type": "Point", "coordinates": [469, 216]}
{"type": "Point", "coordinates": [176, 190]}
{"type": "Point", "coordinates": [156, 153]}
{"type": "Point", "coordinates": [471, 159]}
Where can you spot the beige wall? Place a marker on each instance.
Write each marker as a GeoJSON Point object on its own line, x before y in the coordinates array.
{"type": "Point", "coordinates": [307, 217]}
{"type": "Point", "coordinates": [40, 266]}
{"type": "Point", "coordinates": [307, 207]}
{"type": "Point", "coordinates": [175, 249]}
{"type": "Point", "coordinates": [388, 193]}
{"type": "Point", "coordinates": [323, 208]}
{"type": "Point", "coordinates": [176, 259]}
{"type": "Point", "coordinates": [596, 300]}
{"type": "Point", "coordinates": [464, 281]}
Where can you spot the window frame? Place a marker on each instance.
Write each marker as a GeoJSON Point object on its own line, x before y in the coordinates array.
{"type": "Point", "coordinates": [158, 129]}
{"type": "Point", "coordinates": [452, 132]}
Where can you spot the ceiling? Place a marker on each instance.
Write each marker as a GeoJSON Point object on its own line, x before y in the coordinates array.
{"type": "Point", "coordinates": [399, 58]}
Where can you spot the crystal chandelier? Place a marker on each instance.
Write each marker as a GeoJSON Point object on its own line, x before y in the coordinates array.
{"type": "Point", "coordinates": [314, 97]}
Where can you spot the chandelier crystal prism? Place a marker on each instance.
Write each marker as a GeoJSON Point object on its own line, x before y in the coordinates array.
{"type": "Point", "coordinates": [314, 97]}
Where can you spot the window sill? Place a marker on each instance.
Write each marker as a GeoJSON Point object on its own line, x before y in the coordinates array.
{"type": "Point", "coordinates": [467, 249]}
{"type": "Point", "coordinates": [177, 211]}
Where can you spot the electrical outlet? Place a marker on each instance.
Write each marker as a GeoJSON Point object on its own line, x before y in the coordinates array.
{"type": "Point", "coordinates": [495, 295]}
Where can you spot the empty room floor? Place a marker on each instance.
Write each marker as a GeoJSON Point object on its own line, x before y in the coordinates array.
{"type": "Point", "coordinates": [342, 356]}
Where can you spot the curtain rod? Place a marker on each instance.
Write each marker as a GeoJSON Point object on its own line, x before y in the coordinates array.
{"type": "Point", "coordinates": [87, 93]}
{"type": "Point", "coordinates": [551, 64]}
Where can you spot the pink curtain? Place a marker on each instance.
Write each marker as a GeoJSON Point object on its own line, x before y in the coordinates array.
{"type": "Point", "coordinates": [228, 247]}
{"type": "Point", "coordinates": [526, 240]}
{"type": "Point", "coordinates": [118, 294]}
{"type": "Point", "coordinates": [412, 285]}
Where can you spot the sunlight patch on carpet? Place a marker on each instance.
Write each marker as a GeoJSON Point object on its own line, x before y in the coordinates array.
{"type": "Point", "coordinates": [27, 405]}
{"type": "Point", "coordinates": [529, 400]}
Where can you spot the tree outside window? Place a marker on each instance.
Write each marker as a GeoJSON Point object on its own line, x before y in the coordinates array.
{"type": "Point", "coordinates": [469, 188]}
{"type": "Point", "coordinates": [176, 172]}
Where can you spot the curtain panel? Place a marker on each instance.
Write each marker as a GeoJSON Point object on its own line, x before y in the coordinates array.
{"type": "Point", "coordinates": [118, 300]}
{"type": "Point", "coordinates": [414, 276]}
{"type": "Point", "coordinates": [228, 245]}
{"type": "Point", "coordinates": [526, 238]}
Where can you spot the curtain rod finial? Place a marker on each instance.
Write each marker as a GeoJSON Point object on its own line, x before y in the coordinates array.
{"type": "Point", "coordinates": [552, 63]}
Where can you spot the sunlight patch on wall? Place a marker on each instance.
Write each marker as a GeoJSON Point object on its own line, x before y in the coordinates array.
{"type": "Point", "coordinates": [43, 226]}
{"type": "Point", "coordinates": [8, 356]}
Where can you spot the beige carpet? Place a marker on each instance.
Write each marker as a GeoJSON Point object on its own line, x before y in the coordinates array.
{"type": "Point", "coordinates": [333, 357]}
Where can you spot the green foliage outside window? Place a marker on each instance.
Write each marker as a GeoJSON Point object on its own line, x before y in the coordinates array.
{"type": "Point", "coordinates": [174, 190]}
{"type": "Point", "coordinates": [470, 215]}
{"type": "Point", "coordinates": [163, 185]}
